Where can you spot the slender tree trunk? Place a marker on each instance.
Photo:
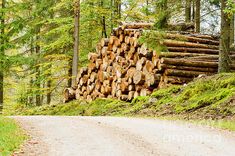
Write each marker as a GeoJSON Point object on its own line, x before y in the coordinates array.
{"type": "Point", "coordinates": [76, 41]}
{"type": "Point", "coordinates": [38, 72]}
{"type": "Point", "coordinates": [224, 40]}
{"type": "Point", "coordinates": [2, 53]}
{"type": "Point", "coordinates": [198, 16]}
{"type": "Point", "coordinates": [30, 102]}
{"type": "Point", "coordinates": [112, 11]}
{"type": "Point", "coordinates": [119, 9]}
{"type": "Point", "coordinates": [193, 11]}
{"type": "Point", "coordinates": [232, 32]}
{"type": "Point", "coordinates": [49, 93]}
{"type": "Point", "coordinates": [103, 22]}
{"type": "Point", "coordinates": [188, 11]}
{"type": "Point", "coordinates": [70, 73]}
{"type": "Point", "coordinates": [104, 31]}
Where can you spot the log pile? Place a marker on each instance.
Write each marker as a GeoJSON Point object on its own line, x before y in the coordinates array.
{"type": "Point", "coordinates": [123, 68]}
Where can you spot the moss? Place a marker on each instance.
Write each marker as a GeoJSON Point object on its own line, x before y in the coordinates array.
{"type": "Point", "coordinates": [209, 97]}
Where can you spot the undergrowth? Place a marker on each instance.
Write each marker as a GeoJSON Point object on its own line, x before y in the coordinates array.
{"type": "Point", "coordinates": [11, 136]}
{"type": "Point", "coordinates": [204, 98]}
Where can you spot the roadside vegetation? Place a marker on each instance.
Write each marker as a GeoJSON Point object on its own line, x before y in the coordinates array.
{"type": "Point", "coordinates": [205, 99]}
{"type": "Point", "coordinates": [11, 136]}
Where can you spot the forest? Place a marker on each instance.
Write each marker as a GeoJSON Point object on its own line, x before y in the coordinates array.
{"type": "Point", "coordinates": [43, 44]}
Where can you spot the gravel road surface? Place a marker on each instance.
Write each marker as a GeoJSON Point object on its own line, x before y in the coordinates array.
{"type": "Point", "coordinates": [114, 136]}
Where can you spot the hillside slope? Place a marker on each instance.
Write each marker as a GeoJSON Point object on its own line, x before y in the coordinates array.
{"type": "Point", "coordinates": [204, 98]}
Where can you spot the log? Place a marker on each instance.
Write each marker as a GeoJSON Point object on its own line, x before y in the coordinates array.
{"type": "Point", "coordinates": [131, 95]}
{"type": "Point", "coordinates": [103, 76]}
{"type": "Point", "coordinates": [104, 42]}
{"type": "Point", "coordinates": [124, 85]}
{"type": "Point", "coordinates": [185, 73]}
{"type": "Point", "coordinates": [124, 97]}
{"type": "Point", "coordinates": [144, 92]}
{"type": "Point", "coordinates": [173, 43]}
{"type": "Point", "coordinates": [139, 78]}
{"type": "Point", "coordinates": [177, 80]}
{"type": "Point", "coordinates": [152, 79]}
{"type": "Point", "coordinates": [131, 87]}
{"type": "Point", "coordinates": [127, 40]}
{"type": "Point", "coordinates": [143, 50]}
{"type": "Point", "coordinates": [92, 57]}
{"type": "Point", "coordinates": [98, 62]}
{"type": "Point", "coordinates": [140, 63]}
{"type": "Point", "coordinates": [202, 69]}
{"type": "Point", "coordinates": [69, 94]}
{"type": "Point", "coordinates": [91, 67]}
{"type": "Point", "coordinates": [97, 85]}
{"type": "Point", "coordinates": [192, 39]}
{"type": "Point", "coordinates": [136, 94]}
{"type": "Point", "coordinates": [184, 62]}
{"type": "Point", "coordinates": [179, 55]}
{"type": "Point", "coordinates": [136, 25]}
{"type": "Point", "coordinates": [121, 37]}
{"type": "Point", "coordinates": [193, 50]}
{"type": "Point", "coordinates": [149, 66]}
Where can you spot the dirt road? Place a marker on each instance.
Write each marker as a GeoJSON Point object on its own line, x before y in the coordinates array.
{"type": "Point", "coordinates": [112, 136]}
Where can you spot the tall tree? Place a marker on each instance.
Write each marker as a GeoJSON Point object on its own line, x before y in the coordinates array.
{"type": "Point", "coordinates": [198, 16]}
{"type": "Point", "coordinates": [187, 11]}
{"type": "Point", "coordinates": [232, 31]}
{"type": "Point", "coordinates": [224, 59]}
{"type": "Point", "coordinates": [76, 41]}
{"type": "Point", "coordinates": [2, 51]}
{"type": "Point", "coordinates": [103, 22]}
{"type": "Point", "coordinates": [38, 72]}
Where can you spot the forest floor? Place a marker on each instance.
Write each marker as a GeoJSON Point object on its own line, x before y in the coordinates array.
{"type": "Point", "coordinates": [64, 135]}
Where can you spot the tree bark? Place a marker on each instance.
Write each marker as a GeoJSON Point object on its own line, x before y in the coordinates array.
{"type": "Point", "coordinates": [103, 22]}
{"type": "Point", "coordinates": [76, 41]}
{"type": "Point", "coordinates": [232, 32]}
{"type": "Point", "coordinates": [38, 72]}
{"type": "Point", "coordinates": [2, 53]}
{"type": "Point", "coordinates": [198, 16]}
{"type": "Point", "coordinates": [224, 59]}
{"type": "Point", "coordinates": [188, 11]}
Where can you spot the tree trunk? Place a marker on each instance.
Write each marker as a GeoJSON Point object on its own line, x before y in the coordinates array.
{"type": "Point", "coordinates": [188, 11]}
{"type": "Point", "coordinates": [76, 41]}
{"type": "Point", "coordinates": [31, 82]}
{"type": "Point", "coordinates": [70, 72]}
{"type": "Point", "coordinates": [198, 16]}
{"type": "Point", "coordinates": [103, 22]}
{"type": "Point", "coordinates": [2, 53]}
{"type": "Point", "coordinates": [49, 87]}
{"type": "Point", "coordinates": [224, 40]}
{"type": "Point", "coordinates": [38, 72]}
{"type": "Point", "coordinates": [112, 13]}
{"type": "Point", "coordinates": [232, 32]}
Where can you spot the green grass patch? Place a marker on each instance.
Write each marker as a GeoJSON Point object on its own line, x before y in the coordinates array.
{"type": "Point", "coordinates": [11, 136]}
{"type": "Point", "coordinates": [208, 98]}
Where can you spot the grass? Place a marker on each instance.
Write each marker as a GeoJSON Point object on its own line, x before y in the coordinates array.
{"type": "Point", "coordinates": [11, 136]}
{"type": "Point", "coordinates": [210, 98]}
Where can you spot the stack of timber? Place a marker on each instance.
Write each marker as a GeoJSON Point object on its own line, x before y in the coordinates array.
{"type": "Point", "coordinates": [123, 68]}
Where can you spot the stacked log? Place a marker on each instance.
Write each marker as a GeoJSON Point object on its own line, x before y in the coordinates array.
{"type": "Point", "coordinates": [123, 68]}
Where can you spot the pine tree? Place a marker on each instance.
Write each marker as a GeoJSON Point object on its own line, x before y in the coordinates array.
{"type": "Point", "coordinates": [224, 59]}
{"type": "Point", "coordinates": [76, 41]}
{"type": "Point", "coordinates": [198, 16]}
{"type": "Point", "coordinates": [2, 51]}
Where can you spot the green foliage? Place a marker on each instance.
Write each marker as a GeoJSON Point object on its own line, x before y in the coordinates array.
{"type": "Point", "coordinates": [230, 9]}
{"type": "Point", "coordinates": [153, 40]}
{"type": "Point", "coordinates": [11, 136]}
